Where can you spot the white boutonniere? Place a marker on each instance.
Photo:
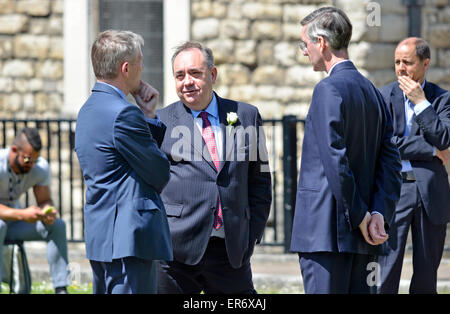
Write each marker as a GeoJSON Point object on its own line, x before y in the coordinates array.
{"type": "Point", "coordinates": [232, 118]}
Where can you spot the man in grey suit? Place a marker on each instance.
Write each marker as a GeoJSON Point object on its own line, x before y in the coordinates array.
{"type": "Point", "coordinates": [421, 117]}
{"type": "Point", "coordinates": [126, 227]}
{"type": "Point", "coordinates": [219, 195]}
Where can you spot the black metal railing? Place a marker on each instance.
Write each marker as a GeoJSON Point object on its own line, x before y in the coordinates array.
{"type": "Point", "coordinates": [67, 184]}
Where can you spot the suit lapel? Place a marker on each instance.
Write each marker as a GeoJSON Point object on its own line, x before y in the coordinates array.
{"type": "Point", "coordinates": [398, 105]}
{"type": "Point", "coordinates": [228, 141]}
{"type": "Point", "coordinates": [184, 117]}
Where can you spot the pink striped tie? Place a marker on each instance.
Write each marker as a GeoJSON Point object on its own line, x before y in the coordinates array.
{"type": "Point", "coordinates": [208, 137]}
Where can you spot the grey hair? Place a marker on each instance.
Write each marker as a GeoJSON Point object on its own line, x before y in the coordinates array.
{"type": "Point", "coordinates": [331, 23]}
{"type": "Point", "coordinates": [111, 48]}
{"type": "Point", "coordinates": [207, 52]}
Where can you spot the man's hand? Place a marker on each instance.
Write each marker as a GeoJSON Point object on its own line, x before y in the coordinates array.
{"type": "Point", "coordinates": [49, 215]}
{"type": "Point", "coordinates": [364, 227]}
{"type": "Point", "coordinates": [147, 99]}
{"type": "Point", "coordinates": [412, 89]}
{"type": "Point", "coordinates": [443, 155]}
{"type": "Point", "coordinates": [376, 229]}
{"type": "Point", "coordinates": [31, 214]}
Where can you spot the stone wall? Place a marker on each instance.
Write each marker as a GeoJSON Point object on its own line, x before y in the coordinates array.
{"type": "Point", "coordinates": [31, 58]}
{"type": "Point", "coordinates": [256, 46]}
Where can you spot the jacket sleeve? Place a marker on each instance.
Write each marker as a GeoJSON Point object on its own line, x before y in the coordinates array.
{"type": "Point", "coordinates": [435, 122]}
{"type": "Point", "coordinates": [259, 186]}
{"type": "Point", "coordinates": [327, 120]}
{"type": "Point", "coordinates": [387, 174]}
{"type": "Point", "coordinates": [133, 140]}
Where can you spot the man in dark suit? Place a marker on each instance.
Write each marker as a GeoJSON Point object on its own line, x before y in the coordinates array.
{"type": "Point", "coordinates": [219, 195]}
{"type": "Point", "coordinates": [421, 118]}
{"type": "Point", "coordinates": [350, 171]}
{"type": "Point", "coordinates": [126, 227]}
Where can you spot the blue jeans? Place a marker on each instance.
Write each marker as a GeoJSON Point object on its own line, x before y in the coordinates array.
{"type": "Point", "coordinates": [54, 235]}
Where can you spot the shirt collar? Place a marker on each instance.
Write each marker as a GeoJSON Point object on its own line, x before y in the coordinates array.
{"type": "Point", "coordinates": [212, 109]}
{"type": "Point", "coordinates": [121, 93]}
{"type": "Point", "coordinates": [332, 67]}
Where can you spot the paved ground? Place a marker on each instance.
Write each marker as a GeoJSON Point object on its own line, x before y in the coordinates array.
{"type": "Point", "coordinates": [273, 271]}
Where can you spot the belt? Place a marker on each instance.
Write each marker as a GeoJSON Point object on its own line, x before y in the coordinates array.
{"type": "Point", "coordinates": [408, 176]}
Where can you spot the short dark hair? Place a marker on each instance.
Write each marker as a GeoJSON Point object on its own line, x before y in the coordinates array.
{"type": "Point", "coordinates": [30, 136]}
{"type": "Point", "coordinates": [422, 49]}
{"type": "Point", "coordinates": [331, 23]}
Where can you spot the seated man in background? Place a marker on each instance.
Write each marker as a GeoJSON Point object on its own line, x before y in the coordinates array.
{"type": "Point", "coordinates": [21, 168]}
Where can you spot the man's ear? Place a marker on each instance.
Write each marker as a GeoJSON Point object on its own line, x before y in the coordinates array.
{"type": "Point", "coordinates": [322, 43]}
{"type": "Point", "coordinates": [14, 148]}
{"type": "Point", "coordinates": [124, 68]}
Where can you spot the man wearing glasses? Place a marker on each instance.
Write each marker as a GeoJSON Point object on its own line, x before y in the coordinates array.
{"type": "Point", "coordinates": [21, 168]}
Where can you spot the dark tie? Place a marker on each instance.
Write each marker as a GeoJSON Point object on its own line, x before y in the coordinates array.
{"type": "Point", "coordinates": [208, 137]}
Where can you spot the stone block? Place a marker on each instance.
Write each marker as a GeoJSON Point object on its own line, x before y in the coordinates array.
{"type": "Point", "coordinates": [223, 50]}
{"type": "Point", "coordinates": [6, 47]}
{"type": "Point", "coordinates": [18, 68]}
{"type": "Point", "coordinates": [439, 35]}
{"type": "Point", "coordinates": [303, 76]}
{"type": "Point", "coordinates": [55, 25]}
{"type": "Point", "coordinates": [294, 13]}
{"type": "Point", "coordinates": [380, 78]}
{"type": "Point", "coordinates": [268, 75]}
{"type": "Point", "coordinates": [205, 29]}
{"type": "Point", "coordinates": [233, 74]}
{"type": "Point", "coordinates": [262, 11]}
{"type": "Point", "coordinates": [245, 93]}
{"type": "Point", "coordinates": [13, 23]}
{"type": "Point", "coordinates": [291, 31]}
{"type": "Point", "coordinates": [265, 53]}
{"type": "Point", "coordinates": [444, 58]}
{"type": "Point", "coordinates": [266, 30]}
{"type": "Point", "coordinates": [206, 9]}
{"type": "Point", "coordinates": [31, 46]}
{"type": "Point", "coordinates": [56, 48]}
{"type": "Point", "coordinates": [235, 29]}
{"type": "Point", "coordinates": [49, 69]}
{"type": "Point", "coordinates": [38, 26]}
{"type": "Point", "coordinates": [245, 52]}
{"type": "Point", "coordinates": [438, 76]}
{"type": "Point", "coordinates": [34, 7]}
{"type": "Point", "coordinates": [394, 28]}
{"type": "Point", "coordinates": [12, 103]}
{"type": "Point", "coordinates": [285, 53]}
{"type": "Point", "coordinates": [372, 56]}
{"type": "Point", "coordinates": [57, 6]}
{"type": "Point", "coordinates": [7, 6]}
{"type": "Point", "coordinates": [6, 85]}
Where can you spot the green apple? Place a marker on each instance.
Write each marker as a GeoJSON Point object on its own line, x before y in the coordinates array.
{"type": "Point", "coordinates": [48, 210]}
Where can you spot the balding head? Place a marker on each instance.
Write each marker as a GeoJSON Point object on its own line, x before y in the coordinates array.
{"type": "Point", "coordinates": [412, 58]}
{"type": "Point", "coordinates": [420, 45]}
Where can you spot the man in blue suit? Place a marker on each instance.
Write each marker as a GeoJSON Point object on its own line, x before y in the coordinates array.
{"type": "Point", "coordinates": [219, 194]}
{"type": "Point", "coordinates": [350, 171]}
{"type": "Point", "coordinates": [420, 112]}
{"type": "Point", "coordinates": [126, 227]}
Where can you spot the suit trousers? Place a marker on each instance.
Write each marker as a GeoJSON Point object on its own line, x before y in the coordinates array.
{"type": "Point", "coordinates": [335, 273]}
{"type": "Point", "coordinates": [128, 275]}
{"type": "Point", "coordinates": [428, 242]}
{"type": "Point", "coordinates": [212, 275]}
{"type": "Point", "coordinates": [54, 235]}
